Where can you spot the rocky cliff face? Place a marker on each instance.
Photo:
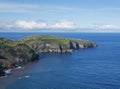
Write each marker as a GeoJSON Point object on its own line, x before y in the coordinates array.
{"type": "Point", "coordinates": [22, 51]}
{"type": "Point", "coordinates": [70, 47]}
{"type": "Point", "coordinates": [76, 45]}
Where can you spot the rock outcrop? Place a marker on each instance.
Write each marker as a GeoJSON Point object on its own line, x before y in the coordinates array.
{"type": "Point", "coordinates": [14, 53]}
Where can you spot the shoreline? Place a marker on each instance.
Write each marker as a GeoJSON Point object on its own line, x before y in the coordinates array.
{"type": "Point", "coordinates": [5, 81]}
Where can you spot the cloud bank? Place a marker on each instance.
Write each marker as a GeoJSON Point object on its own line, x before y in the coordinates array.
{"type": "Point", "coordinates": [60, 26]}
{"type": "Point", "coordinates": [36, 24]}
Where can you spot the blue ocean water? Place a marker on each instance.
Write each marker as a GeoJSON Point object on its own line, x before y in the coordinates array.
{"type": "Point", "coordinates": [94, 68]}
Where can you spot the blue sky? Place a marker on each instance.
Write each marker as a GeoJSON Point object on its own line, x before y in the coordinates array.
{"type": "Point", "coordinates": [72, 15]}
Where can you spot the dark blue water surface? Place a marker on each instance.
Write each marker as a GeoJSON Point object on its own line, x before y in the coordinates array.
{"type": "Point", "coordinates": [94, 68]}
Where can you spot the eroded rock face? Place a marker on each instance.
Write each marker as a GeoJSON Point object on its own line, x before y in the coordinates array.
{"type": "Point", "coordinates": [75, 45]}
{"type": "Point", "coordinates": [71, 46]}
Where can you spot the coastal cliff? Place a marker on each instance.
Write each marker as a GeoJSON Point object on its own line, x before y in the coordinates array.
{"type": "Point", "coordinates": [14, 53]}
{"type": "Point", "coordinates": [54, 44]}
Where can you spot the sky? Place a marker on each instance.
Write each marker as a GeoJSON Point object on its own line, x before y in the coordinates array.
{"type": "Point", "coordinates": [60, 15]}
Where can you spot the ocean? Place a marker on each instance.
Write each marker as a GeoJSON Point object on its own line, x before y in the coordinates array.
{"type": "Point", "coordinates": [92, 68]}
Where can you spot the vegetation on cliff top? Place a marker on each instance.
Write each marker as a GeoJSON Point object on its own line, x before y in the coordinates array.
{"type": "Point", "coordinates": [53, 40]}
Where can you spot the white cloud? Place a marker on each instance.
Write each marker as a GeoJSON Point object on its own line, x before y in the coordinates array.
{"type": "Point", "coordinates": [64, 24]}
{"type": "Point", "coordinates": [107, 26]}
{"type": "Point", "coordinates": [101, 26]}
{"type": "Point", "coordinates": [35, 24]}
{"type": "Point", "coordinates": [60, 26]}
{"type": "Point", "coordinates": [30, 24]}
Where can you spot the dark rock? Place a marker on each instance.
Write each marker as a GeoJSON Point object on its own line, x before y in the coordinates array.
{"type": "Point", "coordinates": [2, 72]}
